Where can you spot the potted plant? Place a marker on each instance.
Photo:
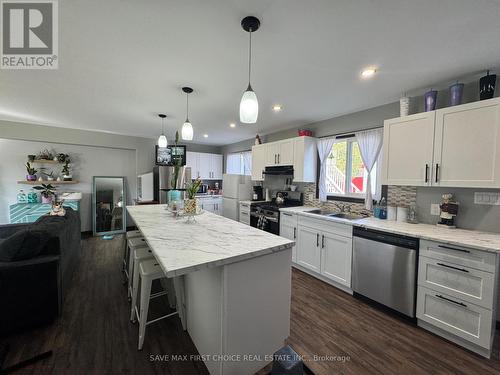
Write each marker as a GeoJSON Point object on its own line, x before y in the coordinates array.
{"type": "Point", "coordinates": [174, 194]}
{"type": "Point", "coordinates": [31, 158]}
{"type": "Point", "coordinates": [49, 176]}
{"type": "Point", "coordinates": [31, 176]}
{"type": "Point", "coordinates": [61, 158]}
{"type": "Point", "coordinates": [67, 176]}
{"type": "Point", "coordinates": [47, 191]}
{"type": "Point", "coordinates": [45, 155]}
{"type": "Point", "coordinates": [190, 202]}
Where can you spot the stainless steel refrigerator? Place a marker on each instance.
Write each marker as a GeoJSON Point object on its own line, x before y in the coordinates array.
{"type": "Point", "coordinates": [163, 181]}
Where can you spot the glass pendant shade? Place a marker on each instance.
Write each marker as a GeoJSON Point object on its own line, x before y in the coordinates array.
{"type": "Point", "coordinates": [249, 107]}
{"type": "Point", "coordinates": [162, 141]}
{"type": "Point", "coordinates": [187, 131]}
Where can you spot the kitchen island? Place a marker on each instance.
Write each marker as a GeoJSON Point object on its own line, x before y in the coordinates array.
{"type": "Point", "coordinates": [232, 283]}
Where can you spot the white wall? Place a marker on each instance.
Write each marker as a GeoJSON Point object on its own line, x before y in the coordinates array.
{"type": "Point", "coordinates": [87, 162]}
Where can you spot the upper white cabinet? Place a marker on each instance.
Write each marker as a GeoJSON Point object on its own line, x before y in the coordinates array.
{"type": "Point", "coordinates": [467, 145]}
{"type": "Point", "coordinates": [259, 155]}
{"type": "Point", "coordinates": [299, 152]}
{"type": "Point", "coordinates": [205, 166]}
{"type": "Point", "coordinates": [456, 146]}
{"type": "Point", "coordinates": [408, 145]}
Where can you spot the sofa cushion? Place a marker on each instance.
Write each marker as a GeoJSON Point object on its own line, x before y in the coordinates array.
{"type": "Point", "coordinates": [24, 244]}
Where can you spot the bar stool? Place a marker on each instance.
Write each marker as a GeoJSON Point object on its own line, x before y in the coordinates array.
{"type": "Point", "coordinates": [141, 254]}
{"type": "Point", "coordinates": [132, 245]}
{"type": "Point", "coordinates": [149, 270]}
{"type": "Point", "coordinates": [130, 234]}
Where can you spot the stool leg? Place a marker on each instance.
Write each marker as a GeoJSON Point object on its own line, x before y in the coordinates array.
{"type": "Point", "coordinates": [130, 270]}
{"type": "Point", "coordinates": [143, 316]}
{"type": "Point", "coordinates": [135, 287]}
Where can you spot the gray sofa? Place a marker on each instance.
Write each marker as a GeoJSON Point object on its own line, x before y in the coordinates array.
{"type": "Point", "coordinates": [37, 262]}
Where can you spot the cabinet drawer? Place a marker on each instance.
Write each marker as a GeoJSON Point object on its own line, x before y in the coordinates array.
{"type": "Point", "coordinates": [461, 282]}
{"type": "Point", "coordinates": [465, 320]}
{"type": "Point", "coordinates": [481, 260]}
{"type": "Point", "coordinates": [288, 218]}
{"type": "Point", "coordinates": [329, 226]}
{"type": "Point", "coordinates": [245, 217]}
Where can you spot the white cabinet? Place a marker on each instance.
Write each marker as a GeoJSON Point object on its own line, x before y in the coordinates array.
{"type": "Point", "coordinates": [336, 258]}
{"type": "Point", "coordinates": [299, 152]}
{"type": "Point", "coordinates": [467, 145]}
{"type": "Point", "coordinates": [456, 294]}
{"type": "Point", "coordinates": [308, 249]}
{"type": "Point", "coordinates": [325, 247]}
{"type": "Point", "coordinates": [259, 155]}
{"type": "Point", "coordinates": [288, 229]}
{"type": "Point", "coordinates": [211, 204]}
{"type": "Point", "coordinates": [408, 145]}
{"type": "Point", "coordinates": [454, 147]}
{"type": "Point", "coordinates": [245, 213]}
{"type": "Point", "coordinates": [205, 166]}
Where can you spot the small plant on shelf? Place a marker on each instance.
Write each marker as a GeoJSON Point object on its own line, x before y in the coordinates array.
{"type": "Point", "coordinates": [45, 155]}
{"type": "Point", "coordinates": [49, 176]}
{"type": "Point", "coordinates": [31, 172]}
{"type": "Point", "coordinates": [47, 191]}
{"type": "Point", "coordinates": [61, 158]}
{"type": "Point", "coordinates": [66, 171]}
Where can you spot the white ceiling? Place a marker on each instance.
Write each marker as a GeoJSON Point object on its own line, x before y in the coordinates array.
{"type": "Point", "coordinates": [122, 62]}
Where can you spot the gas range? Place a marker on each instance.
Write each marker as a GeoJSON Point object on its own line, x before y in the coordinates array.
{"type": "Point", "coordinates": [265, 215]}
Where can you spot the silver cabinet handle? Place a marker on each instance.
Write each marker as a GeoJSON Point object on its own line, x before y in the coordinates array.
{"type": "Point", "coordinates": [244, 213]}
{"type": "Point", "coordinates": [275, 159]}
{"type": "Point", "coordinates": [286, 214]}
{"type": "Point", "coordinates": [317, 239]}
{"type": "Point", "coordinates": [450, 300]}
{"type": "Point", "coordinates": [437, 172]}
{"type": "Point", "coordinates": [426, 173]}
{"type": "Point", "coordinates": [455, 268]}
{"type": "Point", "coordinates": [294, 233]}
{"type": "Point", "coordinates": [322, 241]}
{"type": "Point", "coordinates": [278, 158]}
{"type": "Point", "coordinates": [453, 248]}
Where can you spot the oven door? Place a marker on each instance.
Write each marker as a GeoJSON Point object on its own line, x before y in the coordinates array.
{"type": "Point", "coordinates": [272, 224]}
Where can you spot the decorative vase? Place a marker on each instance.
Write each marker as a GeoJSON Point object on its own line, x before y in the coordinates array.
{"type": "Point", "coordinates": [404, 106]}
{"type": "Point", "coordinates": [430, 98]}
{"type": "Point", "coordinates": [487, 86]}
{"type": "Point", "coordinates": [190, 206]}
{"type": "Point", "coordinates": [31, 177]}
{"type": "Point", "coordinates": [46, 199]}
{"type": "Point", "coordinates": [174, 196]}
{"type": "Point", "coordinates": [456, 93]}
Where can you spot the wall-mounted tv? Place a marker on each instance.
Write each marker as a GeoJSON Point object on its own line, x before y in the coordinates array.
{"type": "Point", "coordinates": [170, 154]}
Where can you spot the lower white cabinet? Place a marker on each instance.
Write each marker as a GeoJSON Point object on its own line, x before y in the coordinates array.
{"type": "Point", "coordinates": [325, 248]}
{"type": "Point", "coordinates": [244, 213]}
{"type": "Point", "coordinates": [456, 294]}
{"type": "Point", "coordinates": [336, 258]}
{"type": "Point", "coordinates": [288, 229]}
{"type": "Point", "coordinates": [308, 248]}
{"type": "Point", "coordinates": [211, 204]}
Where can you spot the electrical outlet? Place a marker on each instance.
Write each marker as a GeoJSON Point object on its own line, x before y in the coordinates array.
{"type": "Point", "coordinates": [435, 210]}
{"type": "Point", "coordinates": [487, 198]}
{"type": "Point", "coordinates": [310, 196]}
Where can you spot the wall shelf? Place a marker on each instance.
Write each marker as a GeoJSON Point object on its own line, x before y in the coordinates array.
{"type": "Point", "coordinates": [48, 182]}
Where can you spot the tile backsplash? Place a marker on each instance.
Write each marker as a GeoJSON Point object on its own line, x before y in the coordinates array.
{"type": "Point", "coordinates": [402, 196]}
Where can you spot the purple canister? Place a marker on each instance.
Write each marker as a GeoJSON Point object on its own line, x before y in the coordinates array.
{"type": "Point", "coordinates": [456, 93]}
{"type": "Point", "coordinates": [430, 98]}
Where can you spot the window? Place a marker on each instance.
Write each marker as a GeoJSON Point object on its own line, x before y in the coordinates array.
{"type": "Point", "coordinates": [345, 173]}
{"type": "Point", "coordinates": [239, 163]}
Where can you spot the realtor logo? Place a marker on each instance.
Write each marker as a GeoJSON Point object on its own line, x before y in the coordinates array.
{"type": "Point", "coordinates": [29, 34]}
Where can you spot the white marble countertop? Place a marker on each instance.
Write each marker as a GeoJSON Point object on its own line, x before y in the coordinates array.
{"type": "Point", "coordinates": [251, 202]}
{"type": "Point", "coordinates": [208, 196]}
{"type": "Point", "coordinates": [486, 241]}
{"type": "Point", "coordinates": [212, 241]}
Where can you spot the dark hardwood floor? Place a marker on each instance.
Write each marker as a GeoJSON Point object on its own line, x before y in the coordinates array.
{"type": "Point", "coordinates": [94, 335]}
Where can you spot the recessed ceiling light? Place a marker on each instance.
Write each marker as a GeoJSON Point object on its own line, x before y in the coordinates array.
{"type": "Point", "coordinates": [232, 125]}
{"type": "Point", "coordinates": [277, 107]}
{"type": "Point", "coordinates": [368, 72]}
{"type": "Point", "coordinates": [205, 135]}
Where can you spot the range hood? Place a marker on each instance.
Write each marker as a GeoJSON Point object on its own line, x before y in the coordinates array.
{"type": "Point", "coordinates": [282, 170]}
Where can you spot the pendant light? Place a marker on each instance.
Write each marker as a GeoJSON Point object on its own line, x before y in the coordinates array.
{"type": "Point", "coordinates": [249, 106]}
{"type": "Point", "coordinates": [162, 140]}
{"type": "Point", "coordinates": [187, 128]}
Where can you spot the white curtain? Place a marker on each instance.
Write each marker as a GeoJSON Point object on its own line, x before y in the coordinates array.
{"type": "Point", "coordinates": [247, 162]}
{"type": "Point", "coordinates": [324, 149]}
{"type": "Point", "coordinates": [370, 143]}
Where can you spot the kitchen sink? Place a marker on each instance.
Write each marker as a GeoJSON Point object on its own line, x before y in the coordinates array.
{"type": "Point", "coordinates": [339, 215]}
{"type": "Point", "coordinates": [348, 216]}
{"type": "Point", "coordinates": [321, 212]}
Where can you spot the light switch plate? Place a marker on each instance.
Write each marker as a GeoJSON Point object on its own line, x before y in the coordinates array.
{"type": "Point", "coordinates": [487, 198]}
{"type": "Point", "coordinates": [435, 210]}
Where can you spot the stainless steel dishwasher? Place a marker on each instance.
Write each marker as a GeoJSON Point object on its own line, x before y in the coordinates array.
{"type": "Point", "coordinates": [385, 268]}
